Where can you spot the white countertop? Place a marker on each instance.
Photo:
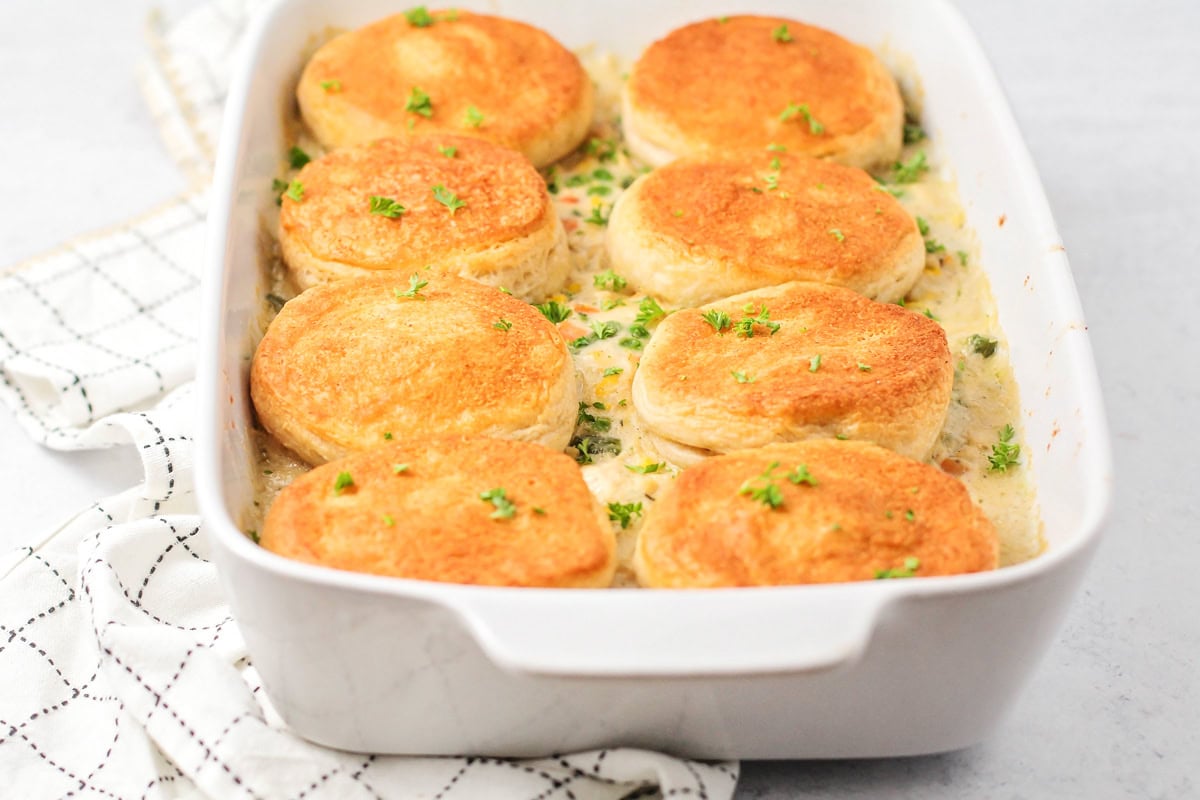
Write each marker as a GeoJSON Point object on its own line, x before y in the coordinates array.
{"type": "Point", "coordinates": [1108, 97]}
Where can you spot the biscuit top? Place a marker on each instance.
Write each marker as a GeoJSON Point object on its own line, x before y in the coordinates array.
{"type": "Point", "coordinates": [862, 510]}
{"type": "Point", "coordinates": [519, 79]}
{"type": "Point", "coordinates": [505, 198]}
{"type": "Point", "coordinates": [771, 214]}
{"type": "Point", "coordinates": [413, 510]}
{"type": "Point", "coordinates": [717, 86]}
{"type": "Point", "coordinates": [358, 362]}
{"type": "Point", "coordinates": [875, 359]}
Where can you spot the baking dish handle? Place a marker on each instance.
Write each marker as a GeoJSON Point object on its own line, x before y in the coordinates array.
{"type": "Point", "coordinates": [637, 633]}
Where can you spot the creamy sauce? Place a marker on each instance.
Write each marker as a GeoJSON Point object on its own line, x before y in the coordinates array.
{"type": "Point", "coordinates": [585, 186]}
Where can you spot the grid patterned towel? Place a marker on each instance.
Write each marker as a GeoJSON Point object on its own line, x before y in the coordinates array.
{"type": "Point", "coordinates": [122, 674]}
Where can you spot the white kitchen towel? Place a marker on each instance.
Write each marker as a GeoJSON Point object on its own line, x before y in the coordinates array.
{"type": "Point", "coordinates": [122, 674]}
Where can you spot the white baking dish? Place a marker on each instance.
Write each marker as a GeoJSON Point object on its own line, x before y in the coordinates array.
{"type": "Point", "coordinates": [873, 669]}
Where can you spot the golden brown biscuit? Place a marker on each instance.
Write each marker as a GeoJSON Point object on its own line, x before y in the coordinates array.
{"type": "Point", "coordinates": [811, 512]}
{"type": "Point", "coordinates": [696, 230]}
{"type": "Point", "coordinates": [472, 74]}
{"type": "Point", "coordinates": [348, 365]}
{"type": "Point", "coordinates": [838, 365]}
{"type": "Point", "coordinates": [414, 509]}
{"type": "Point", "coordinates": [745, 82]}
{"type": "Point", "coordinates": [505, 234]}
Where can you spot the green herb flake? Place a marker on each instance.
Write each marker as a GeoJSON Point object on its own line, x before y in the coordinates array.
{"type": "Point", "coordinates": [910, 171]}
{"type": "Point", "coordinates": [913, 133]}
{"type": "Point", "coordinates": [387, 435]}
{"type": "Point", "coordinates": [448, 198]}
{"type": "Point", "coordinates": [922, 226]}
{"type": "Point", "coordinates": [502, 324]}
{"type": "Point", "coordinates": [473, 117]}
{"type": "Point", "coordinates": [982, 345]}
{"type": "Point", "coordinates": [504, 508]}
{"type": "Point", "coordinates": [253, 534]}
{"type": "Point", "coordinates": [343, 482]}
{"type": "Point", "coordinates": [911, 565]}
{"type": "Point", "coordinates": [631, 343]}
{"type": "Point", "coordinates": [837, 234]}
{"type": "Point", "coordinates": [609, 280]}
{"type": "Point", "coordinates": [389, 520]}
{"type": "Point", "coordinates": [386, 207]}
{"type": "Point", "coordinates": [745, 327]}
{"type": "Point", "coordinates": [718, 319]}
{"type": "Point", "coordinates": [649, 311]}
{"type": "Point", "coordinates": [597, 217]}
{"type": "Point", "coordinates": [419, 17]}
{"type": "Point", "coordinates": [331, 86]}
{"type": "Point", "coordinates": [554, 311]}
{"type": "Point", "coordinates": [603, 149]}
{"type": "Point", "coordinates": [588, 447]}
{"type": "Point", "coordinates": [297, 158]}
{"type": "Point", "coordinates": [801, 475]}
{"type": "Point", "coordinates": [934, 246]}
{"type": "Point", "coordinates": [415, 285]}
{"type": "Point", "coordinates": [399, 469]}
{"type": "Point", "coordinates": [864, 367]}
{"type": "Point", "coordinates": [419, 103]}
{"type": "Point", "coordinates": [814, 363]}
{"type": "Point", "coordinates": [646, 469]}
{"type": "Point", "coordinates": [295, 191]}
{"type": "Point", "coordinates": [763, 488]}
{"type": "Point", "coordinates": [776, 148]}
{"type": "Point", "coordinates": [741, 377]}
{"type": "Point", "coordinates": [539, 511]}
{"type": "Point", "coordinates": [1005, 453]}
{"type": "Point", "coordinates": [612, 371]}
{"type": "Point", "coordinates": [605, 330]}
{"type": "Point", "coordinates": [624, 513]}
{"type": "Point", "coordinates": [781, 35]}
{"type": "Point", "coordinates": [802, 110]}
{"type": "Point", "coordinates": [448, 150]}
{"type": "Point", "coordinates": [962, 257]}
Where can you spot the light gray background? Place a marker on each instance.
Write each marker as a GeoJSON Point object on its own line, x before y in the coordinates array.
{"type": "Point", "coordinates": [1108, 97]}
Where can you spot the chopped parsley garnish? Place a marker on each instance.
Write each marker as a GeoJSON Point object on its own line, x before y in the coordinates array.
{"type": "Point", "coordinates": [801, 110]}
{"type": "Point", "coordinates": [415, 285]}
{"type": "Point", "coordinates": [253, 534]}
{"type": "Point", "coordinates": [929, 314]}
{"type": "Point", "coordinates": [741, 377]}
{"type": "Point", "coordinates": [448, 198]}
{"type": "Point", "coordinates": [419, 17]}
{"type": "Point", "coordinates": [646, 469]}
{"type": "Point", "coordinates": [389, 520]}
{"type": "Point", "coordinates": [814, 363]}
{"type": "Point", "coordinates": [910, 171]}
{"type": "Point", "coordinates": [772, 180]}
{"type": "Point", "coordinates": [343, 482]}
{"type": "Point", "coordinates": [387, 435]}
{"type": "Point", "coordinates": [601, 174]}
{"type": "Point", "coordinates": [297, 158]}
{"type": "Point", "coordinates": [448, 150]}
{"type": "Point", "coordinates": [539, 510]}
{"type": "Point", "coordinates": [624, 513]}
{"type": "Point", "coordinates": [982, 345]}
{"type": "Point", "coordinates": [386, 207]}
{"type": "Point", "coordinates": [605, 330]}
{"type": "Point", "coordinates": [913, 133]}
{"type": "Point", "coordinates": [295, 191]}
{"type": "Point", "coordinates": [419, 103]}
{"type": "Point", "coordinates": [399, 469]}
{"type": "Point", "coordinates": [962, 257]}
{"type": "Point", "coordinates": [864, 367]}
{"type": "Point", "coordinates": [781, 34]}
{"type": "Point", "coordinates": [801, 475]}
{"type": "Point", "coordinates": [588, 419]}
{"type": "Point", "coordinates": [609, 280]}
{"type": "Point", "coordinates": [554, 311]}
{"type": "Point", "coordinates": [502, 324]}
{"type": "Point", "coordinates": [934, 246]}
{"type": "Point", "coordinates": [505, 509]}
{"type": "Point", "coordinates": [1005, 453]}
{"type": "Point", "coordinates": [745, 327]}
{"type": "Point", "coordinates": [597, 217]}
{"type": "Point", "coordinates": [631, 343]}
{"type": "Point", "coordinates": [776, 164]}
{"type": "Point", "coordinates": [331, 86]}
{"type": "Point", "coordinates": [648, 311]}
{"type": "Point", "coordinates": [910, 515]}
{"type": "Point", "coordinates": [722, 20]}
{"type": "Point", "coordinates": [922, 226]}
{"type": "Point", "coordinates": [911, 565]}
{"type": "Point", "coordinates": [599, 191]}
{"type": "Point", "coordinates": [763, 488]}
{"type": "Point", "coordinates": [776, 148]}
{"type": "Point", "coordinates": [278, 187]}
{"type": "Point", "coordinates": [473, 118]}
{"type": "Point", "coordinates": [837, 234]}
{"type": "Point", "coordinates": [613, 371]}
{"type": "Point", "coordinates": [587, 447]}
{"type": "Point", "coordinates": [718, 319]}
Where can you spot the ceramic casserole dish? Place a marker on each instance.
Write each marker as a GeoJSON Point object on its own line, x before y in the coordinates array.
{"type": "Point", "coordinates": [883, 668]}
